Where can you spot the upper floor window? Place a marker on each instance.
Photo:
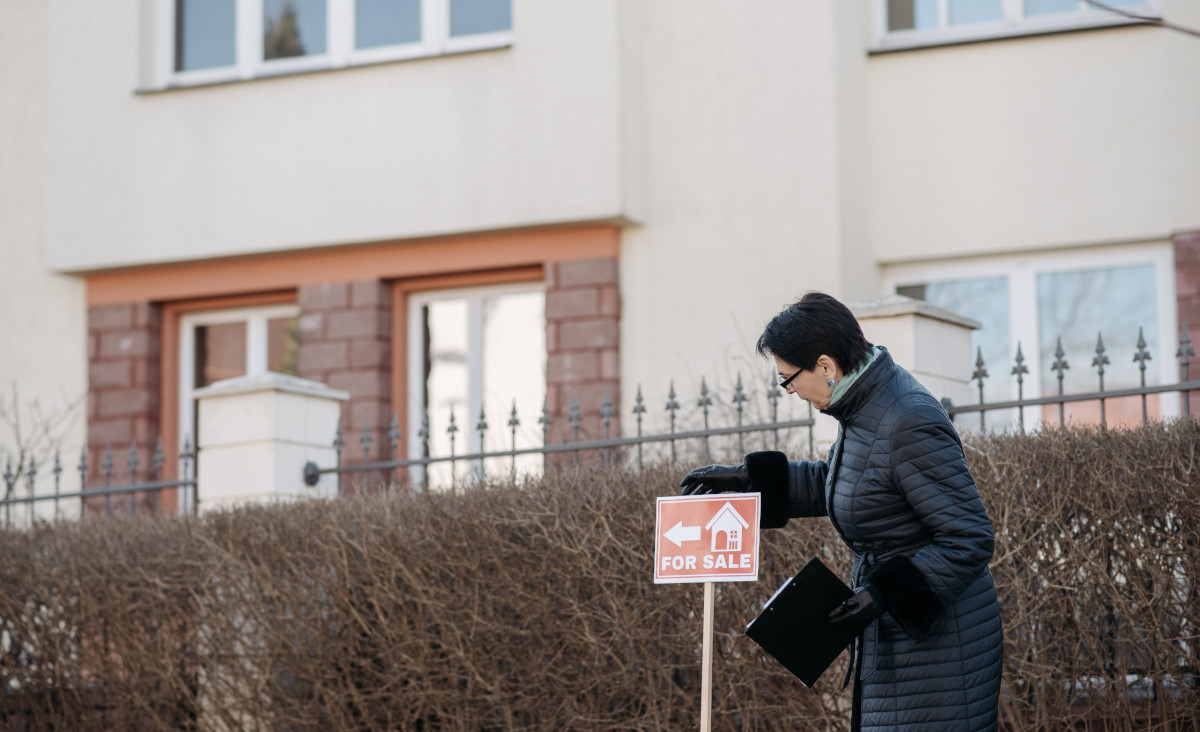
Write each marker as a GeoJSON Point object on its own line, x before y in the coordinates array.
{"type": "Point", "coordinates": [912, 23]}
{"type": "Point", "coordinates": [207, 41]}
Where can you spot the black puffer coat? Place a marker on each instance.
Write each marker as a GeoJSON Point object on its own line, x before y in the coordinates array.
{"type": "Point", "coordinates": [905, 503]}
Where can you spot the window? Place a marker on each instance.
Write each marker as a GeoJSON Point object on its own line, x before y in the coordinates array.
{"type": "Point", "coordinates": [914, 23]}
{"type": "Point", "coordinates": [469, 350]}
{"type": "Point", "coordinates": [224, 344]}
{"type": "Point", "coordinates": [208, 41]}
{"type": "Point", "coordinates": [1077, 296]}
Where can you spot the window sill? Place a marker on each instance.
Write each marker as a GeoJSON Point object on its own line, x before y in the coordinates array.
{"type": "Point", "coordinates": [913, 40]}
{"type": "Point", "coordinates": [226, 77]}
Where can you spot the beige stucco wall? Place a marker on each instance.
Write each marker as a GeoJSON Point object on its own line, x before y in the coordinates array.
{"type": "Point", "coordinates": [741, 205]}
{"type": "Point", "coordinates": [1040, 142]}
{"type": "Point", "coordinates": [524, 136]}
{"type": "Point", "coordinates": [42, 326]}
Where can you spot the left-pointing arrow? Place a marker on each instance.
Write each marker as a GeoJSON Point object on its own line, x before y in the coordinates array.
{"type": "Point", "coordinates": [679, 533]}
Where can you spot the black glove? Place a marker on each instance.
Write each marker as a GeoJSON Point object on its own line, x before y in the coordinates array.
{"type": "Point", "coordinates": [716, 479]}
{"type": "Point", "coordinates": [859, 609]}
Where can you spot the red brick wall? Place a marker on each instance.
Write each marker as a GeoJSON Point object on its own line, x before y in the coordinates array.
{"type": "Point", "coordinates": [123, 391]}
{"type": "Point", "coordinates": [346, 343]}
{"type": "Point", "coordinates": [1187, 293]}
{"type": "Point", "coordinates": [583, 313]}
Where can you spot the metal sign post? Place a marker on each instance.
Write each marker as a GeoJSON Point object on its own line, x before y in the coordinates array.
{"type": "Point", "coordinates": [707, 539]}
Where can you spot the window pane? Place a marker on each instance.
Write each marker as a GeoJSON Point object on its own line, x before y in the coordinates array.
{"type": "Point", "coordinates": [293, 28]}
{"type": "Point", "coordinates": [912, 14]}
{"type": "Point", "coordinates": [479, 16]}
{"type": "Point", "coordinates": [283, 346]}
{"type": "Point", "coordinates": [386, 22]}
{"type": "Point", "coordinates": [1083, 304]}
{"type": "Point", "coordinates": [204, 34]}
{"type": "Point", "coordinates": [514, 373]}
{"type": "Point", "coordinates": [220, 352]}
{"type": "Point", "coordinates": [446, 383]}
{"type": "Point", "coordinates": [1043, 7]}
{"type": "Point", "coordinates": [985, 300]}
{"type": "Point", "coordinates": [964, 12]}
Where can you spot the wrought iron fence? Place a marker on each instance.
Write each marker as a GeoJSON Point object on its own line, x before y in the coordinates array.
{"type": "Point", "coordinates": [608, 449]}
{"type": "Point", "coordinates": [113, 496]}
{"type": "Point", "coordinates": [1185, 386]}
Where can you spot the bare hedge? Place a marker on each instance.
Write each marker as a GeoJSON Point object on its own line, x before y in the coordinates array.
{"type": "Point", "coordinates": [531, 606]}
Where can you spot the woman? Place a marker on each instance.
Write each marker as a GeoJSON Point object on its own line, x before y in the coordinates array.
{"type": "Point", "coordinates": [897, 489]}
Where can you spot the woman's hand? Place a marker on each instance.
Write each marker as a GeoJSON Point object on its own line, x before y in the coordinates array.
{"type": "Point", "coordinates": [716, 479]}
{"type": "Point", "coordinates": [860, 608]}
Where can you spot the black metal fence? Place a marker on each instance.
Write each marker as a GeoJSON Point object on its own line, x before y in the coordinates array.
{"type": "Point", "coordinates": [1184, 353]}
{"type": "Point", "coordinates": [393, 470]}
{"type": "Point", "coordinates": [116, 499]}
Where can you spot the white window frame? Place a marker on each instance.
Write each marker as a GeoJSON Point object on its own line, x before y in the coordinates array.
{"type": "Point", "coordinates": [1022, 271]}
{"type": "Point", "coordinates": [339, 44]}
{"type": "Point", "coordinates": [475, 386]}
{"type": "Point", "coordinates": [256, 319]}
{"type": "Point", "coordinates": [1014, 23]}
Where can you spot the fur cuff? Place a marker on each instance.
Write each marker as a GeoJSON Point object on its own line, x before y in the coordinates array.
{"type": "Point", "coordinates": [907, 595]}
{"type": "Point", "coordinates": [768, 471]}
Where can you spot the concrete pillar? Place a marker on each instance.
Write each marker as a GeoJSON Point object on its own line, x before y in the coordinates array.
{"type": "Point", "coordinates": [257, 432]}
{"type": "Point", "coordinates": [933, 343]}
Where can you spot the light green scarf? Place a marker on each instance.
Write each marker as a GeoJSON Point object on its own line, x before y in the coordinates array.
{"type": "Point", "coordinates": [848, 380]}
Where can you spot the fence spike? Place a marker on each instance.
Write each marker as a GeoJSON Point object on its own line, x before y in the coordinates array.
{"type": "Point", "coordinates": [82, 467]}
{"type": "Point", "coordinates": [513, 422]}
{"type": "Point", "coordinates": [481, 427]}
{"type": "Point", "coordinates": [739, 397]}
{"type": "Point", "coordinates": [545, 420]}
{"type": "Point", "coordinates": [1185, 350]}
{"type": "Point", "coordinates": [133, 462]}
{"type": "Point", "coordinates": [979, 374]}
{"type": "Point", "coordinates": [1141, 357]}
{"type": "Point", "coordinates": [9, 478]}
{"type": "Point", "coordinates": [606, 412]}
{"type": "Point", "coordinates": [575, 415]}
{"type": "Point", "coordinates": [1059, 366]}
{"type": "Point", "coordinates": [159, 458]}
{"type": "Point", "coordinates": [1101, 360]}
{"type": "Point", "coordinates": [704, 402]}
{"type": "Point", "coordinates": [57, 470]}
{"type": "Point", "coordinates": [1019, 370]}
{"type": "Point", "coordinates": [30, 475]}
{"type": "Point", "coordinates": [107, 465]}
{"type": "Point", "coordinates": [394, 434]}
{"type": "Point", "coordinates": [453, 424]}
{"type": "Point", "coordinates": [365, 440]}
{"type": "Point", "coordinates": [639, 408]}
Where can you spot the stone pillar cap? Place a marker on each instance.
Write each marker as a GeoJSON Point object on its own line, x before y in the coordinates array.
{"type": "Point", "coordinates": [894, 305]}
{"type": "Point", "coordinates": [270, 381]}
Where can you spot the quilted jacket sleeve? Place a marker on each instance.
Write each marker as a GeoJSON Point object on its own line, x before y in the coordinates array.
{"type": "Point", "coordinates": [928, 466]}
{"type": "Point", "coordinates": [789, 489]}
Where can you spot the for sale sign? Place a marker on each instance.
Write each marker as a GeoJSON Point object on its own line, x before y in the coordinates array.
{"type": "Point", "coordinates": [710, 538]}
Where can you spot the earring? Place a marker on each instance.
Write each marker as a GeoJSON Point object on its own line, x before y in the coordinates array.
{"type": "Point", "coordinates": [831, 383]}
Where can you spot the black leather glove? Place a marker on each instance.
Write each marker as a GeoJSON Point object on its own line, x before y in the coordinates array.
{"type": "Point", "coordinates": [716, 479]}
{"type": "Point", "coordinates": [859, 609]}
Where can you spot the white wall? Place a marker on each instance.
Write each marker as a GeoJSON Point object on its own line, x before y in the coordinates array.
{"type": "Point", "coordinates": [1039, 142]}
{"type": "Point", "coordinates": [522, 136]}
{"type": "Point", "coordinates": [741, 203]}
{"type": "Point", "coordinates": [42, 326]}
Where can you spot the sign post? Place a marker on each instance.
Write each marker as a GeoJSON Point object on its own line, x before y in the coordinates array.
{"type": "Point", "coordinates": [709, 538]}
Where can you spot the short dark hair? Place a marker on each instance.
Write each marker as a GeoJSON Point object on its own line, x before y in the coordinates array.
{"type": "Point", "coordinates": [815, 324]}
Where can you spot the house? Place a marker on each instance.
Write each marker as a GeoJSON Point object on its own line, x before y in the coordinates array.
{"type": "Point", "coordinates": [472, 206]}
{"type": "Point", "coordinates": [725, 528]}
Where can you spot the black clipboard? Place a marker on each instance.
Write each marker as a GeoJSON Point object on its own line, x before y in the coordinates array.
{"type": "Point", "coordinates": [794, 625]}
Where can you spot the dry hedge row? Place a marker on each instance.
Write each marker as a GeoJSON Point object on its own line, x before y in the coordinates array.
{"type": "Point", "coordinates": [532, 607]}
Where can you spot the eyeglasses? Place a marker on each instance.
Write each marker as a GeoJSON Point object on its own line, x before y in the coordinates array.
{"type": "Point", "coordinates": [783, 383]}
